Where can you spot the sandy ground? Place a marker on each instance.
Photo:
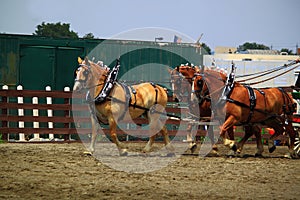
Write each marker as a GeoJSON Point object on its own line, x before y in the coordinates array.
{"type": "Point", "coordinates": [62, 171]}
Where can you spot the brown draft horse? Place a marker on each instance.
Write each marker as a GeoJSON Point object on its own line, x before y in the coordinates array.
{"type": "Point", "coordinates": [92, 77]}
{"type": "Point", "coordinates": [182, 91]}
{"type": "Point", "coordinates": [181, 80]}
{"type": "Point", "coordinates": [273, 108]}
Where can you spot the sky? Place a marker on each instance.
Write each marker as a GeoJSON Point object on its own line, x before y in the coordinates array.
{"type": "Point", "coordinates": [223, 22]}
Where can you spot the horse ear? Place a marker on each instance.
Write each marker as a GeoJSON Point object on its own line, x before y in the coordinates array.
{"type": "Point", "coordinates": [87, 62]}
{"type": "Point", "coordinates": [202, 69]}
{"type": "Point", "coordinates": [197, 69]}
{"type": "Point", "coordinates": [170, 70]}
{"type": "Point", "coordinates": [79, 60]}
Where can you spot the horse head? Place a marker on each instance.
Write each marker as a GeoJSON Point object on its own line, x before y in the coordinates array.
{"type": "Point", "coordinates": [180, 84]}
{"type": "Point", "coordinates": [89, 75]}
{"type": "Point", "coordinates": [188, 72]}
{"type": "Point", "coordinates": [205, 82]}
{"type": "Point", "coordinates": [199, 88]}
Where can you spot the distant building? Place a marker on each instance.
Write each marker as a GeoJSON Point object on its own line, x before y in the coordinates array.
{"type": "Point", "coordinates": [225, 50]}
{"type": "Point", "coordinates": [253, 61]}
{"type": "Point", "coordinates": [262, 52]}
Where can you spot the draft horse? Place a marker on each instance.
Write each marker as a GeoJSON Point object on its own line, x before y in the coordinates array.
{"type": "Point", "coordinates": [243, 105]}
{"type": "Point", "coordinates": [181, 80]}
{"type": "Point", "coordinates": [121, 103]}
{"type": "Point", "coordinates": [183, 88]}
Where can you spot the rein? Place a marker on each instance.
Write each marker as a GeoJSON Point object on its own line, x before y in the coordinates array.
{"type": "Point", "coordinates": [254, 83]}
{"type": "Point", "coordinates": [208, 96]}
{"type": "Point", "coordinates": [263, 73]}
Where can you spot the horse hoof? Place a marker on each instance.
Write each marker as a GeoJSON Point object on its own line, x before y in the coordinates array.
{"type": "Point", "coordinates": [171, 154]}
{"type": "Point", "coordinates": [234, 148]}
{"type": "Point", "coordinates": [288, 156]}
{"type": "Point", "coordinates": [215, 149]}
{"type": "Point", "coordinates": [87, 153]}
{"type": "Point", "coordinates": [214, 152]}
{"type": "Point", "coordinates": [272, 149]}
{"type": "Point", "coordinates": [193, 148]}
{"type": "Point", "coordinates": [231, 154]}
{"type": "Point", "coordinates": [124, 152]}
{"type": "Point", "coordinates": [258, 155]}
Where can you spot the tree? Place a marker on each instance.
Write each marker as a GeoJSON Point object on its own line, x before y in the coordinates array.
{"type": "Point", "coordinates": [56, 30]}
{"type": "Point", "coordinates": [89, 36]}
{"type": "Point", "coordinates": [288, 51]}
{"type": "Point", "coordinates": [252, 45]}
{"type": "Point", "coordinates": [206, 48]}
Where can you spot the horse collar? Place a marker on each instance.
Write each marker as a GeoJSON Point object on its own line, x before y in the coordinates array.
{"type": "Point", "coordinates": [109, 84]}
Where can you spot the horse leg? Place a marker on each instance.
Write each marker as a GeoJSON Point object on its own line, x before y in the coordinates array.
{"type": "Point", "coordinates": [230, 121]}
{"type": "Point", "coordinates": [230, 133]}
{"type": "Point", "coordinates": [292, 135]}
{"type": "Point", "coordinates": [212, 139]}
{"type": "Point", "coordinates": [156, 127]}
{"type": "Point", "coordinates": [167, 142]}
{"type": "Point", "coordinates": [259, 144]}
{"type": "Point", "coordinates": [114, 137]}
{"type": "Point", "coordinates": [278, 128]}
{"type": "Point", "coordinates": [91, 149]}
{"type": "Point", "coordinates": [249, 131]}
{"type": "Point", "coordinates": [189, 138]}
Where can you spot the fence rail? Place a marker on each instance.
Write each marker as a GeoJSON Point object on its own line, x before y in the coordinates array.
{"type": "Point", "coordinates": [52, 114]}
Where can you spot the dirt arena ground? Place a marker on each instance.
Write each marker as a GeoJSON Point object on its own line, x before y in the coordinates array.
{"type": "Point", "coordinates": [62, 171]}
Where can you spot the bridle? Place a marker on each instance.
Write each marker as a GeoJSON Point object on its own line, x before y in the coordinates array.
{"type": "Point", "coordinates": [177, 80]}
{"type": "Point", "coordinates": [86, 74]}
{"type": "Point", "coordinates": [201, 94]}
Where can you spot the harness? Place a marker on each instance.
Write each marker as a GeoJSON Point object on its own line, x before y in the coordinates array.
{"type": "Point", "coordinates": [128, 98]}
{"type": "Point", "coordinates": [103, 96]}
{"type": "Point", "coordinates": [109, 83]}
{"type": "Point", "coordinates": [252, 99]}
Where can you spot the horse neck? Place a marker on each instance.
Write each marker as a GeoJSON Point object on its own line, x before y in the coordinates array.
{"type": "Point", "coordinates": [98, 80]}
{"type": "Point", "coordinates": [214, 81]}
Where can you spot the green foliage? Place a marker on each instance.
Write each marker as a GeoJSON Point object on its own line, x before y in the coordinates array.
{"type": "Point", "coordinates": [252, 45]}
{"type": "Point", "coordinates": [56, 30]}
{"type": "Point", "coordinates": [206, 48]}
{"type": "Point", "coordinates": [289, 52]}
{"type": "Point", "coordinates": [89, 36]}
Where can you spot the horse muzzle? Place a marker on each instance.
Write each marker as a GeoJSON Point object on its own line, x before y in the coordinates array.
{"type": "Point", "coordinates": [78, 86]}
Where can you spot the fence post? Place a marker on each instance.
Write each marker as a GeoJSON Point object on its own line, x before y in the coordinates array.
{"type": "Point", "coordinates": [21, 113]}
{"type": "Point", "coordinates": [67, 114]}
{"type": "Point", "coordinates": [5, 135]}
{"type": "Point", "coordinates": [35, 113]}
{"type": "Point", "coordinates": [50, 114]}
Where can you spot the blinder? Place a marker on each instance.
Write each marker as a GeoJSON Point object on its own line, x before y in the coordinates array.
{"type": "Point", "coordinates": [85, 73]}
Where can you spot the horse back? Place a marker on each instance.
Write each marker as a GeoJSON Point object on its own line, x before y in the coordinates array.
{"type": "Point", "coordinates": [148, 94]}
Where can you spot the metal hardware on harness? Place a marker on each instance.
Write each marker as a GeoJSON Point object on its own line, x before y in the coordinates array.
{"type": "Point", "coordinates": [134, 94]}
{"type": "Point", "coordinates": [228, 86]}
{"type": "Point", "coordinates": [110, 81]}
{"type": "Point", "coordinates": [155, 92]}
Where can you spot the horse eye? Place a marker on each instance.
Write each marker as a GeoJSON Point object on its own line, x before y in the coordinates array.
{"type": "Point", "coordinates": [85, 73]}
{"type": "Point", "coordinates": [199, 82]}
